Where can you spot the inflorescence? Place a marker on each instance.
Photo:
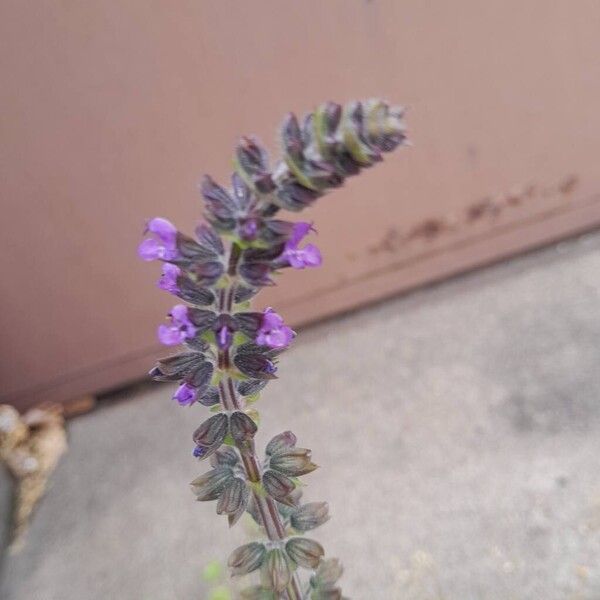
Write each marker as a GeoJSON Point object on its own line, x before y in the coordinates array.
{"type": "Point", "coordinates": [230, 352]}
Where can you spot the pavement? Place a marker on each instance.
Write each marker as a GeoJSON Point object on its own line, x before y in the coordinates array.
{"type": "Point", "coordinates": [458, 433]}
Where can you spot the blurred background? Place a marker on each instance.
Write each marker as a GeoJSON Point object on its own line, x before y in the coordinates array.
{"type": "Point", "coordinates": [457, 424]}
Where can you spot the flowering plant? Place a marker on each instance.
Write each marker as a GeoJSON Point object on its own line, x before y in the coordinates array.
{"type": "Point", "coordinates": [230, 352]}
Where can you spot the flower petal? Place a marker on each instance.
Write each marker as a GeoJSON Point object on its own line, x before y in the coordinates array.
{"type": "Point", "coordinates": [164, 229]}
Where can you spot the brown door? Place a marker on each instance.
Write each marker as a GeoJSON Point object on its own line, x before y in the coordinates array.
{"type": "Point", "coordinates": [111, 112]}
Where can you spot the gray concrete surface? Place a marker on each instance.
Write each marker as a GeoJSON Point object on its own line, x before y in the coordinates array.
{"type": "Point", "coordinates": [458, 433]}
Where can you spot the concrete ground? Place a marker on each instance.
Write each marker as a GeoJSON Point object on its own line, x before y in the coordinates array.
{"type": "Point", "coordinates": [458, 433]}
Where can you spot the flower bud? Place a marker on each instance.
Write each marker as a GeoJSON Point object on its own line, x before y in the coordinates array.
{"type": "Point", "coordinates": [251, 162]}
{"type": "Point", "coordinates": [291, 137]}
{"type": "Point", "coordinates": [221, 206]}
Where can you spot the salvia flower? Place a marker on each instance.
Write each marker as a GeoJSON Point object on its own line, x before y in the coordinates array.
{"type": "Point", "coordinates": [186, 394]}
{"type": "Point", "coordinates": [198, 452]}
{"type": "Point", "coordinates": [273, 332]}
{"type": "Point", "coordinates": [168, 278]}
{"type": "Point", "coordinates": [230, 351]}
{"type": "Point", "coordinates": [179, 329]}
{"type": "Point", "coordinates": [163, 244]}
{"type": "Point", "coordinates": [299, 258]}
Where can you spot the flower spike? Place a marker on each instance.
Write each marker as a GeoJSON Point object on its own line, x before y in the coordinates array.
{"type": "Point", "coordinates": [230, 352]}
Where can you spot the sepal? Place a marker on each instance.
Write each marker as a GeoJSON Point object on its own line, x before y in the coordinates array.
{"type": "Point", "coordinates": [251, 162]}
{"type": "Point", "coordinates": [241, 427]}
{"type": "Point", "coordinates": [304, 552]}
{"type": "Point", "coordinates": [248, 322]}
{"type": "Point", "coordinates": [309, 516]}
{"type": "Point", "coordinates": [285, 458]}
{"type": "Point", "coordinates": [277, 570]}
{"type": "Point", "coordinates": [193, 292]}
{"type": "Point", "coordinates": [207, 273]}
{"type": "Point", "coordinates": [250, 387]}
{"type": "Point", "coordinates": [280, 443]}
{"type": "Point", "coordinates": [233, 500]}
{"type": "Point", "coordinates": [247, 558]}
{"type": "Point", "coordinates": [257, 592]}
{"type": "Point", "coordinates": [322, 583]}
{"type": "Point", "coordinates": [210, 485]}
{"type": "Point", "coordinates": [192, 367]}
{"type": "Point", "coordinates": [220, 205]}
{"type": "Point", "coordinates": [278, 486]}
{"type": "Point", "coordinates": [293, 462]}
{"type": "Point", "coordinates": [210, 397]}
{"type": "Point", "coordinates": [225, 456]}
{"type": "Point", "coordinates": [211, 434]}
{"type": "Point", "coordinates": [243, 294]}
{"type": "Point", "coordinates": [255, 365]}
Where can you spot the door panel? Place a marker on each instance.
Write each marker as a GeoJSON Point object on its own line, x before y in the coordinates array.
{"type": "Point", "coordinates": [111, 112]}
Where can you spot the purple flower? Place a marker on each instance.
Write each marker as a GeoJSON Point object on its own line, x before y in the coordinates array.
{"type": "Point", "coordinates": [163, 245]}
{"type": "Point", "coordinates": [273, 332]}
{"type": "Point", "coordinates": [168, 279]}
{"type": "Point", "coordinates": [198, 451]}
{"type": "Point", "coordinates": [299, 258]}
{"type": "Point", "coordinates": [270, 367]}
{"type": "Point", "coordinates": [185, 394]}
{"type": "Point", "coordinates": [249, 229]}
{"type": "Point", "coordinates": [180, 328]}
{"type": "Point", "coordinates": [224, 337]}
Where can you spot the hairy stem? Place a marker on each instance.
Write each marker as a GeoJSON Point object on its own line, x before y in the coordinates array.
{"type": "Point", "coordinates": [230, 400]}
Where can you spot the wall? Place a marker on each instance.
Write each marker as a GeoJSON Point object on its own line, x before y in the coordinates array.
{"type": "Point", "coordinates": [112, 111]}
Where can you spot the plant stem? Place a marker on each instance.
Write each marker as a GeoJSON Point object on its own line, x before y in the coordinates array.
{"type": "Point", "coordinates": [266, 506]}
{"type": "Point", "coordinates": [230, 401]}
